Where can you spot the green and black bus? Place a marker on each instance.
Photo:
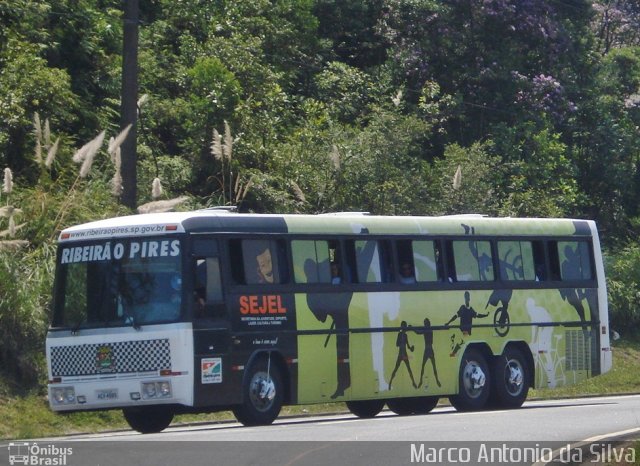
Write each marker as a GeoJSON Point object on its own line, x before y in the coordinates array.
{"type": "Point", "coordinates": [163, 314]}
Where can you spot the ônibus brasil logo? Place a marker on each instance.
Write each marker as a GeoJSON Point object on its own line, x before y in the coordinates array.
{"type": "Point", "coordinates": [34, 454]}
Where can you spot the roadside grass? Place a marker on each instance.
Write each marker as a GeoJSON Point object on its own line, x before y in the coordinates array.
{"type": "Point", "coordinates": [26, 416]}
{"type": "Point", "coordinates": [29, 416]}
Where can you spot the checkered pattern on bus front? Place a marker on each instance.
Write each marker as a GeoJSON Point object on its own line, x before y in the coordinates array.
{"type": "Point", "coordinates": [127, 357]}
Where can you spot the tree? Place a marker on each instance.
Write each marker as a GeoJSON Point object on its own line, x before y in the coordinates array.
{"type": "Point", "coordinates": [466, 180]}
{"type": "Point", "coordinates": [351, 28]}
{"type": "Point", "coordinates": [28, 85]}
{"type": "Point", "coordinates": [472, 49]}
{"type": "Point", "coordinates": [605, 145]}
{"type": "Point", "coordinates": [616, 24]}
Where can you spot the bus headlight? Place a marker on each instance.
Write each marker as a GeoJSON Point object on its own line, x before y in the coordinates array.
{"type": "Point", "coordinates": [63, 395]}
{"type": "Point", "coordinates": [164, 389]}
{"type": "Point", "coordinates": [156, 390]}
{"type": "Point", "coordinates": [149, 389]}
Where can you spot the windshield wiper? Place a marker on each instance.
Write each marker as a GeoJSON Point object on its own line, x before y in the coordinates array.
{"type": "Point", "coordinates": [129, 318]}
{"type": "Point", "coordinates": [76, 328]}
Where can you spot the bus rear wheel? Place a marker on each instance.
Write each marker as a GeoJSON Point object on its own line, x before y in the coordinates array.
{"type": "Point", "coordinates": [149, 419]}
{"type": "Point", "coordinates": [413, 405]}
{"type": "Point", "coordinates": [425, 404]}
{"type": "Point", "coordinates": [401, 406]}
{"type": "Point", "coordinates": [474, 382]}
{"type": "Point", "coordinates": [262, 394]}
{"type": "Point", "coordinates": [510, 379]}
{"type": "Point", "coordinates": [365, 408]}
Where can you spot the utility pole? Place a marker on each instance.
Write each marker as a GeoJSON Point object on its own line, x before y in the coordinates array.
{"type": "Point", "coordinates": [129, 105]}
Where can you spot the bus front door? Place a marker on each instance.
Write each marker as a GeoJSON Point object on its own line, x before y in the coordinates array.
{"type": "Point", "coordinates": [214, 378]}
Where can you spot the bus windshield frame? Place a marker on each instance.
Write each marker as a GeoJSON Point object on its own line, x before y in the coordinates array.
{"type": "Point", "coordinates": [118, 282]}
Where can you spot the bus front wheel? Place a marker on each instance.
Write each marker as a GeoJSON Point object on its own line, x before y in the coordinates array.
{"type": "Point", "coordinates": [510, 379]}
{"type": "Point", "coordinates": [365, 408]}
{"type": "Point", "coordinates": [262, 394]}
{"type": "Point", "coordinates": [474, 382]}
{"type": "Point", "coordinates": [149, 419]}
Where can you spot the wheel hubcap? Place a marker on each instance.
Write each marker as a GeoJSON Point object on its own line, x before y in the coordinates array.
{"type": "Point", "coordinates": [514, 377]}
{"type": "Point", "coordinates": [262, 391]}
{"type": "Point", "coordinates": [474, 379]}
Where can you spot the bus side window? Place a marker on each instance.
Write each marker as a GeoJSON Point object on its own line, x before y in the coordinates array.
{"type": "Point", "coordinates": [575, 260]}
{"type": "Point", "coordinates": [473, 260]}
{"type": "Point", "coordinates": [311, 261]}
{"type": "Point", "coordinates": [258, 261]}
{"type": "Point", "coordinates": [406, 266]}
{"type": "Point", "coordinates": [450, 262]}
{"type": "Point", "coordinates": [214, 283]}
{"type": "Point", "coordinates": [237, 262]}
{"type": "Point", "coordinates": [539, 261]}
{"type": "Point", "coordinates": [350, 275]}
{"type": "Point", "coordinates": [427, 261]}
{"type": "Point", "coordinates": [518, 261]}
{"type": "Point", "coordinates": [554, 260]}
{"type": "Point", "coordinates": [369, 261]}
{"type": "Point", "coordinates": [386, 261]}
{"type": "Point", "coordinates": [337, 274]}
{"type": "Point", "coordinates": [208, 296]}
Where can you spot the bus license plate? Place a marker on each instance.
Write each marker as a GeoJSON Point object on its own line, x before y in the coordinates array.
{"type": "Point", "coordinates": [105, 395]}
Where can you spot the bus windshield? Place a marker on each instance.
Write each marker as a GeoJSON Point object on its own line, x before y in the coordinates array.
{"type": "Point", "coordinates": [118, 283]}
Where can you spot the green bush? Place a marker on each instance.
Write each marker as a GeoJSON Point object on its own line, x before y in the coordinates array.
{"type": "Point", "coordinates": [623, 282]}
{"type": "Point", "coordinates": [25, 282]}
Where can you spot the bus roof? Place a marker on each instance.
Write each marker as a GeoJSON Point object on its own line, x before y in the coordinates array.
{"type": "Point", "coordinates": [220, 221]}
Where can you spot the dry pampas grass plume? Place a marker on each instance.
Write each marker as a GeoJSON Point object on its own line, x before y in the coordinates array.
{"type": "Point", "coordinates": [9, 211]}
{"type": "Point", "coordinates": [115, 143]}
{"type": "Point", "coordinates": [297, 191]}
{"type": "Point", "coordinates": [216, 145]}
{"type": "Point", "coordinates": [7, 185]}
{"type": "Point", "coordinates": [156, 189]}
{"type": "Point", "coordinates": [87, 153]}
{"type": "Point", "coordinates": [37, 126]}
{"type": "Point", "coordinates": [227, 145]}
{"type": "Point", "coordinates": [334, 156]}
{"type": "Point", "coordinates": [47, 134]}
{"type": "Point", "coordinates": [457, 178]}
{"type": "Point", "coordinates": [161, 206]}
{"type": "Point", "coordinates": [13, 245]}
{"type": "Point", "coordinates": [38, 152]}
{"type": "Point", "coordinates": [116, 157]}
{"type": "Point", "coordinates": [12, 230]}
{"type": "Point", "coordinates": [51, 154]}
{"type": "Point", "coordinates": [116, 181]}
{"type": "Point", "coordinates": [144, 98]}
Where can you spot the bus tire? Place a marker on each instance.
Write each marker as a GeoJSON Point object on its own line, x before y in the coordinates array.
{"type": "Point", "coordinates": [365, 409]}
{"type": "Point", "coordinates": [148, 419]}
{"type": "Point", "coordinates": [262, 394]}
{"type": "Point", "coordinates": [402, 406]}
{"type": "Point", "coordinates": [425, 404]}
{"type": "Point", "coordinates": [413, 405]}
{"type": "Point", "coordinates": [474, 382]}
{"type": "Point", "coordinates": [511, 379]}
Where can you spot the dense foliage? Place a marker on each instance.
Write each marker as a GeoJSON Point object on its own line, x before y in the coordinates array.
{"type": "Point", "coordinates": [533, 106]}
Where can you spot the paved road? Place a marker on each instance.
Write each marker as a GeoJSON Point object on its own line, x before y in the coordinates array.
{"type": "Point", "coordinates": [524, 436]}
